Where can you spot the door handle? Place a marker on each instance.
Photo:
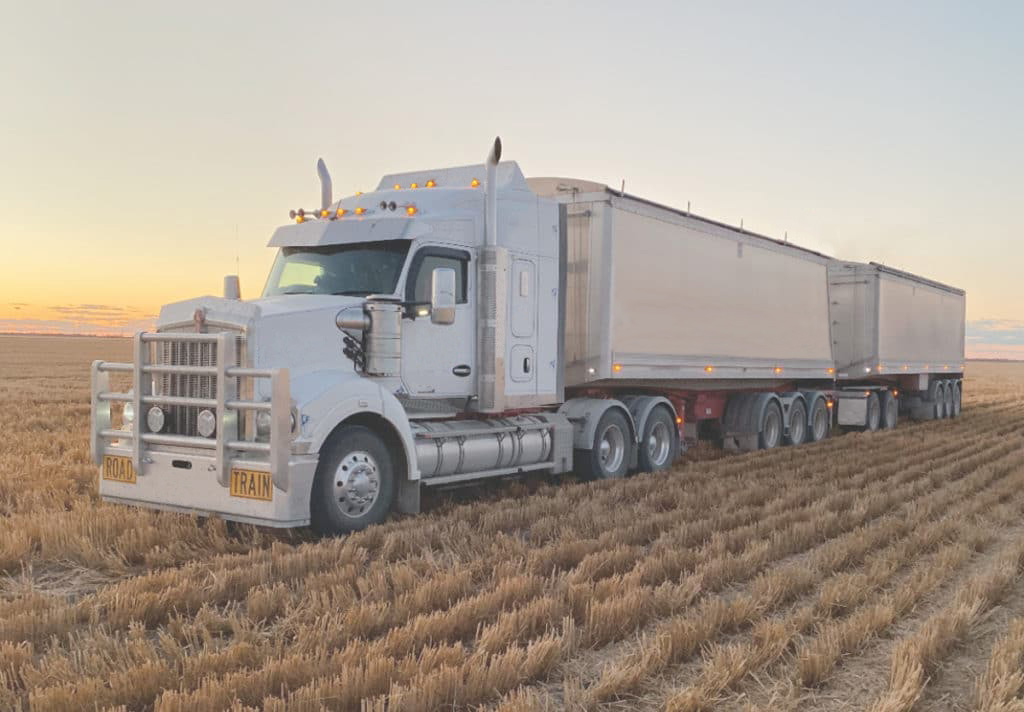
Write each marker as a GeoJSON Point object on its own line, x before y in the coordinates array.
{"type": "Point", "coordinates": [462, 370]}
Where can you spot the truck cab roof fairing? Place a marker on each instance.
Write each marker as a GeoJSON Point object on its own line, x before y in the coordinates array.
{"type": "Point", "coordinates": [317, 233]}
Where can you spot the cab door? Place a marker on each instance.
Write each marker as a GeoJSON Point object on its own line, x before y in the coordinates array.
{"type": "Point", "coordinates": [439, 360]}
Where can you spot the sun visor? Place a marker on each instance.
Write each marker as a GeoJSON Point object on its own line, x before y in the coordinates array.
{"type": "Point", "coordinates": [315, 233]}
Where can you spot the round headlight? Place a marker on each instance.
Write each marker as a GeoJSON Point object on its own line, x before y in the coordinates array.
{"type": "Point", "coordinates": [206, 423]}
{"type": "Point", "coordinates": [263, 420]}
{"type": "Point", "coordinates": [128, 414]}
{"type": "Point", "coordinates": [155, 419]}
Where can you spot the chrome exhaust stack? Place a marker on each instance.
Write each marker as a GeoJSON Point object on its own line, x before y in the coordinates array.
{"type": "Point", "coordinates": [326, 188]}
{"type": "Point", "coordinates": [493, 293]}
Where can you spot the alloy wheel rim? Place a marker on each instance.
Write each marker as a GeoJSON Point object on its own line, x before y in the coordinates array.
{"type": "Point", "coordinates": [612, 448]}
{"type": "Point", "coordinates": [356, 483]}
{"type": "Point", "coordinates": [659, 443]}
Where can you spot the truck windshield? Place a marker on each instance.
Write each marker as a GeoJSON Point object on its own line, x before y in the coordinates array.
{"type": "Point", "coordinates": [357, 269]}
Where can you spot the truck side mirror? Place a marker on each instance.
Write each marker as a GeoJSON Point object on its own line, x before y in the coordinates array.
{"type": "Point", "coordinates": [442, 296]}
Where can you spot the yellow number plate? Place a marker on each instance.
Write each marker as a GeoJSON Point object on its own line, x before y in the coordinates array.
{"type": "Point", "coordinates": [118, 468]}
{"type": "Point", "coordinates": [251, 484]}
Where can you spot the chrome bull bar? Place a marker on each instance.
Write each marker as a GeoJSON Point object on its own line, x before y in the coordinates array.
{"type": "Point", "coordinates": [227, 406]}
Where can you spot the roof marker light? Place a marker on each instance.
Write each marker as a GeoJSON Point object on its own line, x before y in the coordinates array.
{"type": "Point", "coordinates": [324, 213]}
{"type": "Point", "coordinates": [397, 187]}
{"type": "Point", "coordinates": [341, 212]}
{"type": "Point", "coordinates": [414, 185]}
{"type": "Point", "coordinates": [360, 211]}
{"type": "Point", "coordinates": [410, 210]}
{"type": "Point", "coordinates": [299, 219]}
{"type": "Point", "coordinates": [431, 183]}
{"type": "Point", "coordinates": [474, 183]}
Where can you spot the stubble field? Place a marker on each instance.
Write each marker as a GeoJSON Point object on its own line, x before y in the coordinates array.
{"type": "Point", "coordinates": [877, 572]}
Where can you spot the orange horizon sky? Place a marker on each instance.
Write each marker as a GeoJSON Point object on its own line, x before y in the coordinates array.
{"type": "Point", "coordinates": [151, 149]}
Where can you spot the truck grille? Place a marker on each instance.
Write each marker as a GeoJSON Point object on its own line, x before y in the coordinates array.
{"type": "Point", "coordinates": [181, 420]}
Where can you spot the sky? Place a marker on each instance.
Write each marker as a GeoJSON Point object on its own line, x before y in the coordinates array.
{"type": "Point", "coordinates": [148, 149]}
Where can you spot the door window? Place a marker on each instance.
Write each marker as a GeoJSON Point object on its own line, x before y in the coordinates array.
{"type": "Point", "coordinates": [421, 273]}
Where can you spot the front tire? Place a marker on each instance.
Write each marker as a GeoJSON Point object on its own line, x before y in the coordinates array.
{"type": "Point", "coordinates": [659, 445]}
{"type": "Point", "coordinates": [354, 484]}
{"type": "Point", "coordinates": [609, 456]}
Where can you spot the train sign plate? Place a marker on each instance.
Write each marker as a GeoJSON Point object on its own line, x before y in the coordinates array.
{"type": "Point", "coordinates": [118, 468]}
{"type": "Point", "coordinates": [251, 484]}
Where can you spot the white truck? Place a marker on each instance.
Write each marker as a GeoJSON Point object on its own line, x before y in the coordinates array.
{"type": "Point", "coordinates": [467, 323]}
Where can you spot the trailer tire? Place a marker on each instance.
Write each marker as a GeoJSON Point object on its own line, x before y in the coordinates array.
{"type": "Point", "coordinates": [949, 400]}
{"type": "Point", "coordinates": [659, 442]}
{"type": "Point", "coordinates": [797, 423]}
{"type": "Point", "coordinates": [940, 400]}
{"type": "Point", "coordinates": [821, 420]}
{"type": "Point", "coordinates": [770, 433]}
{"type": "Point", "coordinates": [957, 399]}
{"type": "Point", "coordinates": [609, 455]}
{"type": "Point", "coordinates": [890, 410]}
{"type": "Point", "coordinates": [354, 483]}
{"type": "Point", "coordinates": [874, 413]}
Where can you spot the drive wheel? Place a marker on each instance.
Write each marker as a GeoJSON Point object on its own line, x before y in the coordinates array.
{"type": "Point", "coordinates": [608, 458]}
{"type": "Point", "coordinates": [820, 420]}
{"type": "Point", "coordinates": [950, 404]}
{"type": "Point", "coordinates": [874, 417]}
{"type": "Point", "coordinates": [957, 399]}
{"type": "Point", "coordinates": [354, 483]}
{"type": "Point", "coordinates": [890, 410]}
{"type": "Point", "coordinates": [797, 423]}
{"type": "Point", "coordinates": [770, 436]}
{"type": "Point", "coordinates": [659, 444]}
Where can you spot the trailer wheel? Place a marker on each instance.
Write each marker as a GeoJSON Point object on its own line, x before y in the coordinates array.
{"type": "Point", "coordinates": [770, 435]}
{"type": "Point", "coordinates": [609, 457]}
{"type": "Point", "coordinates": [354, 483]}
{"type": "Point", "coordinates": [797, 423]}
{"type": "Point", "coordinates": [820, 420]}
{"type": "Point", "coordinates": [658, 444]}
{"type": "Point", "coordinates": [890, 410]}
{"type": "Point", "coordinates": [950, 399]}
{"type": "Point", "coordinates": [874, 415]}
{"type": "Point", "coordinates": [957, 399]}
{"type": "Point", "coordinates": [940, 400]}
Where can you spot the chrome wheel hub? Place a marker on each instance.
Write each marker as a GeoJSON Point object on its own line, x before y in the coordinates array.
{"type": "Point", "coordinates": [612, 448]}
{"type": "Point", "coordinates": [659, 444]}
{"type": "Point", "coordinates": [356, 483]}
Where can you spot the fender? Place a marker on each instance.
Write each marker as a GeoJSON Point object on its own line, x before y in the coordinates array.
{"type": "Point", "coordinates": [584, 413]}
{"type": "Point", "coordinates": [640, 407]}
{"type": "Point", "coordinates": [344, 398]}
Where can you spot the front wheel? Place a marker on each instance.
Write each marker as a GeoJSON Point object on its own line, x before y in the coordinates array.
{"type": "Point", "coordinates": [658, 446]}
{"type": "Point", "coordinates": [354, 483]}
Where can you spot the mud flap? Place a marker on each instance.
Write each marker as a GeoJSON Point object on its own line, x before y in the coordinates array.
{"type": "Point", "coordinates": [407, 499]}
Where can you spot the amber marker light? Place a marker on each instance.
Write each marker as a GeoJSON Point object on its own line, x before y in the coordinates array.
{"type": "Point", "coordinates": [397, 187]}
{"type": "Point", "coordinates": [410, 210]}
{"type": "Point", "coordinates": [300, 219]}
{"type": "Point", "coordinates": [414, 185]}
{"type": "Point", "coordinates": [431, 183]}
{"type": "Point", "coordinates": [360, 211]}
{"type": "Point", "coordinates": [830, 371]}
{"type": "Point", "coordinates": [616, 367]}
{"type": "Point", "coordinates": [778, 370]}
{"type": "Point", "coordinates": [679, 421]}
{"type": "Point", "coordinates": [474, 183]}
{"type": "Point", "coordinates": [324, 213]}
{"type": "Point", "coordinates": [341, 212]}
{"type": "Point", "coordinates": [709, 369]}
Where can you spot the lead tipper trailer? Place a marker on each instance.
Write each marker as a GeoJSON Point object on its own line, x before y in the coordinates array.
{"type": "Point", "coordinates": [465, 323]}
